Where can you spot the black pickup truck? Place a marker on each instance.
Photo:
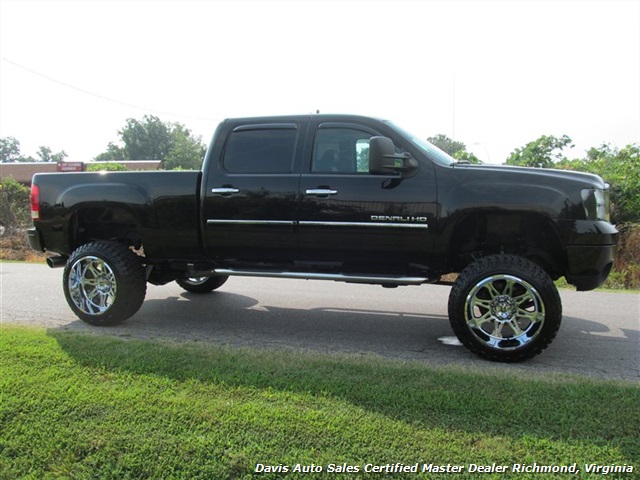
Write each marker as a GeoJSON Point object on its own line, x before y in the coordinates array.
{"type": "Point", "coordinates": [333, 197]}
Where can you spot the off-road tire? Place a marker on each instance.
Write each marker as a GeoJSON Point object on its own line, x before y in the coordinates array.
{"type": "Point", "coordinates": [202, 284]}
{"type": "Point", "coordinates": [104, 283]}
{"type": "Point", "coordinates": [505, 308]}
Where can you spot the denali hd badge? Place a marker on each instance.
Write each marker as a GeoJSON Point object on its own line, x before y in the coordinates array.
{"type": "Point", "coordinates": [398, 218]}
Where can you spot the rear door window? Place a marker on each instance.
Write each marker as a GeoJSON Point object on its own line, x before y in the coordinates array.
{"type": "Point", "coordinates": [260, 149]}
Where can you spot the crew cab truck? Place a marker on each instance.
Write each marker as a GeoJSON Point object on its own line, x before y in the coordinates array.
{"type": "Point", "coordinates": [333, 197]}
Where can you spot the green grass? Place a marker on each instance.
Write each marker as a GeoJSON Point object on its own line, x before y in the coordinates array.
{"type": "Point", "coordinates": [88, 406]}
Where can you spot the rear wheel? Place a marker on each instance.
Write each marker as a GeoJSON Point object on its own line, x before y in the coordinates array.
{"type": "Point", "coordinates": [104, 283]}
{"type": "Point", "coordinates": [505, 308]}
{"type": "Point", "coordinates": [202, 284]}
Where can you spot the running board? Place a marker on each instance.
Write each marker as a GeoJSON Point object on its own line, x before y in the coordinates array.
{"type": "Point", "coordinates": [374, 280]}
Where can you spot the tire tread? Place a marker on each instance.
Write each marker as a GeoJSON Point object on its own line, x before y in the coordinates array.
{"type": "Point", "coordinates": [130, 278]}
{"type": "Point", "coordinates": [505, 264]}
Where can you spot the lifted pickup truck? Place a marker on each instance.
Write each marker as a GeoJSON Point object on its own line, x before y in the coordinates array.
{"type": "Point", "coordinates": [333, 197]}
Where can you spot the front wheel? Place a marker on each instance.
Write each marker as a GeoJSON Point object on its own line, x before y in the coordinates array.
{"type": "Point", "coordinates": [505, 308]}
{"type": "Point", "coordinates": [202, 284]}
{"type": "Point", "coordinates": [104, 283]}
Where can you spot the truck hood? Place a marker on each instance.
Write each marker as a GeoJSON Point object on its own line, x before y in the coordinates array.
{"type": "Point", "coordinates": [537, 175]}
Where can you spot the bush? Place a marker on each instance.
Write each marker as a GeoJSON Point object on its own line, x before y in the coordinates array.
{"type": "Point", "coordinates": [626, 268]}
{"type": "Point", "coordinates": [15, 209]}
{"type": "Point", "coordinates": [106, 167]}
{"type": "Point", "coordinates": [621, 169]}
{"type": "Point", "coordinates": [15, 247]}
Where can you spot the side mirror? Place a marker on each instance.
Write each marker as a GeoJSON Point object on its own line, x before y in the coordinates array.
{"type": "Point", "coordinates": [383, 159]}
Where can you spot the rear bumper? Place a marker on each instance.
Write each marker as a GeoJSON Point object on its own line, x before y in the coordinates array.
{"type": "Point", "coordinates": [35, 240]}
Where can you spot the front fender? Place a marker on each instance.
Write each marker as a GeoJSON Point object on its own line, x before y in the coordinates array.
{"type": "Point", "coordinates": [544, 200]}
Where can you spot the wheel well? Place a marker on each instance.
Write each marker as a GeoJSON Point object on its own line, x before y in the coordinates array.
{"type": "Point", "coordinates": [104, 223]}
{"type": "Point", "coordinates": [528, 235]}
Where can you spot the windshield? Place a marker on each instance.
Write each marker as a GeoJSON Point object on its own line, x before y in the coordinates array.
{"type": "Point", "coordinates": [433, 152]}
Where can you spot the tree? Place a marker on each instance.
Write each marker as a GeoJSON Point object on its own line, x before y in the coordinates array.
{"type": "Point", "coordinates": [541, 153]}
{"type": "Point", "coordinates": [153, 139]}
{"type": "Point", "coordinates": [9, 150]}
{"type": "Point", "coordinates": [45, 155]}
{"type": "Point", "coordinates": [464, 156]}
{"type": "Point", "coordinates": [186, 152]}
{"type": "Point", "coordinates": [113, 152]}
{"type": "Point", "coordinates": [149, 139]}
{"type": "Point", "coordinates": [10, 153]}
{"type": "Point", "coordinates": [447, 144]}
{"type": "Point", "coordinates": [362, 160]}
{"type": "Point", "coordinates": [457, 150]}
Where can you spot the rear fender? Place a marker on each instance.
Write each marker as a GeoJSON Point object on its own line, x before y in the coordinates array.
{"type": "Point", "coordinates": [103, 192]}
{"type": "Point", "coordinates": [96, 211]}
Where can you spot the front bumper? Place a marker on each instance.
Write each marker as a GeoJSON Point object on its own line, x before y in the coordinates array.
{"type": "Point", "coordinates": [590, 254]}
{"type": "Point", "coordinates": [589, 266]}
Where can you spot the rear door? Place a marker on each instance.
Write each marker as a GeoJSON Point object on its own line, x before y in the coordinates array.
{"type": "Point", "coordinates": [251, 192]}
{"type": "Point", "coordinates": [351, 217]}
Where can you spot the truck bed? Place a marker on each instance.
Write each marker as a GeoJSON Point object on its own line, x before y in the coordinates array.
{"type": "Point", "coordinates": [161, 206]}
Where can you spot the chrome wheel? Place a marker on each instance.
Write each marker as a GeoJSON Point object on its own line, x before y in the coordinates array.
{"type": "Point", "coordinates": [104, 283]}
{"type": "Point", "coordinates": [92, 285]}
{"type": "Point", "coordinates": [202, 284]}
{"type": "Point", "coordinates": [504, 312]}
{"type": "Point", "coordinates": [195, 280]}
{"type": "Point", "coordinates": [505, 308]}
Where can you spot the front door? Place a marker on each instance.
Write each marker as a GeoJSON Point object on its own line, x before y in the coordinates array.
{"type": "Point", "coordinates": [359, 220]}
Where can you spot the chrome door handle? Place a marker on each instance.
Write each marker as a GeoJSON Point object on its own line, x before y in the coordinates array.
{"type": "Point", "coordinates": [224, 190]}
{"type": "Point", "coordinates": [321, 192]}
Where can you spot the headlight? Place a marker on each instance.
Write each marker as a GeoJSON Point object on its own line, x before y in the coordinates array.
{"type": "Point", "coordinates": [596, 203]}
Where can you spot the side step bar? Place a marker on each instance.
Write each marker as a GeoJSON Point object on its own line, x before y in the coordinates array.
{"type": "Point", "coordinates": [375, 280]}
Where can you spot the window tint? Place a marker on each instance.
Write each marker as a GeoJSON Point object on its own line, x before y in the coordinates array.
{"type": "Point", "coordinates": [341, 150]}
{"type": "Point", "coordinates": [263, 150]}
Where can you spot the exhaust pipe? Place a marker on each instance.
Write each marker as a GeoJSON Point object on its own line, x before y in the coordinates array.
{"type": "Point", "coordinates": [57, 262]}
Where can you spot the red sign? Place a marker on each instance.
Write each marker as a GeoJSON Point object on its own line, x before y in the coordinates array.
{"type": "Point", "coordinates": [71, 166]}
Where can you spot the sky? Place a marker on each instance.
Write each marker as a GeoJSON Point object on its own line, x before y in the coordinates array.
{"type": "Point", "coordinates": [494, 75]}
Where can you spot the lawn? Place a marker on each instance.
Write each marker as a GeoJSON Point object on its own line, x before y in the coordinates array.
{"type": "Point", "coordinates": [88, 406]}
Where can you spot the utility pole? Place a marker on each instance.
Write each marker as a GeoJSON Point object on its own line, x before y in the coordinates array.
{"type": "Point", "coordinates": [453, 108]}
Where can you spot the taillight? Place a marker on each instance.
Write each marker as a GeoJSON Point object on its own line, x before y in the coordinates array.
{"type": "Point", "coordinates": [35, 202]}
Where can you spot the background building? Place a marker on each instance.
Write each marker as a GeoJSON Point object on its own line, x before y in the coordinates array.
{"type": "Point", "coordinates": [23, 171]}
